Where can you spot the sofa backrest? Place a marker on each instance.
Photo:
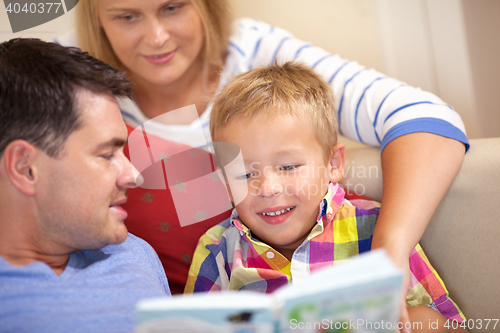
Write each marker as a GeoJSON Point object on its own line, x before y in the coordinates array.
{"type": "Point", "coordinates": [462, 240]}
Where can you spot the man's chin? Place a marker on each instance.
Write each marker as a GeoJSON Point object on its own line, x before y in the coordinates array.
{"type": "Point", "coordinates": [120, 235]}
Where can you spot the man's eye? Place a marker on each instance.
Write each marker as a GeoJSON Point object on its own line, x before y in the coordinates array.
{"type": "Point", "coordinates": [109, 156]}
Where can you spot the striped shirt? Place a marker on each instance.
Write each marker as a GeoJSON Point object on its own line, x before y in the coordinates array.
{"type": "Point", "coordinates": [371, 107]}
{"type": "Point", "coordinates": [228, 257]}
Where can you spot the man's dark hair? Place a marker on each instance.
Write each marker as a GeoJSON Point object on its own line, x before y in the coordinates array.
{"type": "Point", "coordinates": [38, 83]}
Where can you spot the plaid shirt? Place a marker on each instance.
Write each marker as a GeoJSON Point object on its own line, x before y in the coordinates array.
{"type": "Point", "coordinates": [229, 258]}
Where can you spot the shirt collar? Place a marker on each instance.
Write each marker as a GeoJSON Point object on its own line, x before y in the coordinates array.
{"type": "Point", "coordinates": [331, 202]}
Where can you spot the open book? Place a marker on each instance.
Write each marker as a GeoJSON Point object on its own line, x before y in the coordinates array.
{"type": "Point", "coordinates": [359, 295]}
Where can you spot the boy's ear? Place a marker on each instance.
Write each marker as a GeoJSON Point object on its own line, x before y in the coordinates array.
{"type": "Point", "coordinates": [337, 162]}
{"type": "Point", "coordinates": [20, 169]}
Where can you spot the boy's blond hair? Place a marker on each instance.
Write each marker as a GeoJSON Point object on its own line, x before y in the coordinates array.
{"type": "Point", "coordinates": [215, 17]}
{"type": "Point", "coordinates": [290, 88]}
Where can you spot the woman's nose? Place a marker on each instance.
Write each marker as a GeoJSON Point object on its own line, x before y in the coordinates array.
{"type": "Point", "coordinates": [157, 33]}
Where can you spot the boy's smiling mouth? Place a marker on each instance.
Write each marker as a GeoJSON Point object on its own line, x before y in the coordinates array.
{"type": "Point", "coordinates": [276, 215]}
{"type": "Point", "coordinates": [275, 212]}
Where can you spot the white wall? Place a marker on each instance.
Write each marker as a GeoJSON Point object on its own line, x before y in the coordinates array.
{"type": "Point", "coordinates": [482, 22]}
{"type": "Point", "coordinates": [424, 43]}
{"type": "Point", "coordinates": [346, 27]}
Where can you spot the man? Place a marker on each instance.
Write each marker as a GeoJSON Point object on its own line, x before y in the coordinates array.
{"type": "Point", "coordinates": [67, 263]}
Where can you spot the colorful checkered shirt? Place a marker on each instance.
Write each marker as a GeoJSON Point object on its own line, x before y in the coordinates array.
{"type": "Point", "coordinates": [229, 258]}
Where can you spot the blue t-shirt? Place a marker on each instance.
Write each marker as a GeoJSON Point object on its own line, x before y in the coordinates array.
{"type": "Point", "coordinates": [97, 291]}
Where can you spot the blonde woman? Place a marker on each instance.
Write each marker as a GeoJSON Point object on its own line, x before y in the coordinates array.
{"type": "Point", "coordinates": [178, 52]}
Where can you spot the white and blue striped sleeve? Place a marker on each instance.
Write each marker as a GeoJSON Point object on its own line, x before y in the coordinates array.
{"type": "Point", "coordinates": [371, 108]}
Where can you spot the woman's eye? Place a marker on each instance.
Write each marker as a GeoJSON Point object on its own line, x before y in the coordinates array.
{"type": "Point", "coordinates": [128, 17]}
{"type": "Point", "coordinates": [172, 8]}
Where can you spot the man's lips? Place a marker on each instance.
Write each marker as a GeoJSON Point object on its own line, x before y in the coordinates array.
{"type": "Point", "coordinates": [119, 211]}
{"type": "Point", "coordinates": [160, 59]}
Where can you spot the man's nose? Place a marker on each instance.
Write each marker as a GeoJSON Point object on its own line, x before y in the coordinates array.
{"type": "Point", "coordinates": [129, 176]}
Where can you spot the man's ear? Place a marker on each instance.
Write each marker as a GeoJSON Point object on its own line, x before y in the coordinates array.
{"type": "Point", "coordinates": [337, 162]}
{"type": "Point", "coordinates": [18, 159]}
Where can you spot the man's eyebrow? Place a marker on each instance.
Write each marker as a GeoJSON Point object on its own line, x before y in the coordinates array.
{"type": "Point", "coordinates": [114, 142]}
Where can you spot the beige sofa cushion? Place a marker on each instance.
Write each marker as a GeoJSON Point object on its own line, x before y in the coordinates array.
{"type": "Point", "coordinates": [462, 240]}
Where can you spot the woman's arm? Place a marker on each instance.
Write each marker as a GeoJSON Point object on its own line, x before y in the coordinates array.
{"type": "Point", "coordinates": [417, 169]}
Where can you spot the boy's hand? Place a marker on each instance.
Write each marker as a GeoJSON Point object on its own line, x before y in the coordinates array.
{"type": "Point", "coordinates": [401, 260]}
{"type": "Point", "coordinates": [404, 318]}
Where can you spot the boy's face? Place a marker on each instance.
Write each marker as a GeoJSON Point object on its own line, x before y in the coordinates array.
{"type": "Point", "coordinates": [287, 176]}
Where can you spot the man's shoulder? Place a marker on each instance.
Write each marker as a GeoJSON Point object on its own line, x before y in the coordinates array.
{"type": "Point", "coordinates": [97, 292]}
{"type": "Point", "coordinates": [133, 249]}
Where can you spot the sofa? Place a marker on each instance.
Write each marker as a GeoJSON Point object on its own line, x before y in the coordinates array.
{"type": "Point", "coordinates": [462, 240]}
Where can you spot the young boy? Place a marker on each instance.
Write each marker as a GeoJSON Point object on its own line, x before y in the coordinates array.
{"type": "Point", "coordinates": [294, 218]}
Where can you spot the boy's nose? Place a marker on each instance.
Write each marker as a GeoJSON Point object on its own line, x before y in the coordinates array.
{"type": "Point", "coordinates": [270, 186]}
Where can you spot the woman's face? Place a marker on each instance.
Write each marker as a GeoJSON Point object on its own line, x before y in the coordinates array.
{"type": "Point", "coordinates": [158, 41]}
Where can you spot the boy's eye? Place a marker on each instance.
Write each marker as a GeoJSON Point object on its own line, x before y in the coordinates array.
{"type": "Point", "coordinates": [288, 167]}
{"type": "Point", "coordinates": [245, 176]}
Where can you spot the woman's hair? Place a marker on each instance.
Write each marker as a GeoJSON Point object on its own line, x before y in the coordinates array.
{"type": "Point", "coordinates": [215, 16]}
{"type": "Point", "coordinates": [290, 88]}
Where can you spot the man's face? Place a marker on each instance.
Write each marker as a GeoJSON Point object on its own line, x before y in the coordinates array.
{"type": "Point", "coordinates": [80, 192]}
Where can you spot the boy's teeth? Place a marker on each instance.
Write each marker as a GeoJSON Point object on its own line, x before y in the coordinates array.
{"type": "Point", "coordinates": [279, 212]}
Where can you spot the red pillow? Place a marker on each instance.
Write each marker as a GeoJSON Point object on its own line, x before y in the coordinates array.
{"type": "Point", "coordinates": [152, 216]}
